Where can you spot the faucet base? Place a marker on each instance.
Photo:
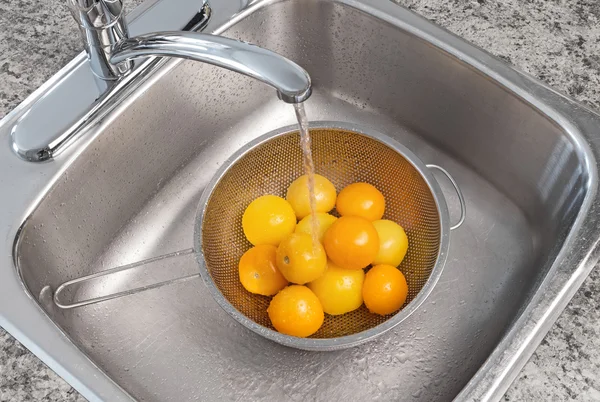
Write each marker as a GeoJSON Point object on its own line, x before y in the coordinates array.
{"type": "Point", "coordinates": [47, 126]}
{"type": "Point", "coordinates": [102, 25]}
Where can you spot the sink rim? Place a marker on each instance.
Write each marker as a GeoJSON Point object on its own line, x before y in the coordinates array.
{"type": "Point", "coordinates": [21, 316]}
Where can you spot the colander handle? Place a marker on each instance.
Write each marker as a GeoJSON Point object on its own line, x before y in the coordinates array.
{"type": "Point", "coordinates": [461, 199]}
{"type": "Point", "coordinates": [85, 302]}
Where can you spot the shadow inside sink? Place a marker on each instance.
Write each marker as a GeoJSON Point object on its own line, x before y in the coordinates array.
{"type": "Point", "coordinates": [133, 192]}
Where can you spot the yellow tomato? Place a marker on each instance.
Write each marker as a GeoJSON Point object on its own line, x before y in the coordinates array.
{"type": "Point", "coordinates": [299, 259]}
{"type": "Point", "coordinates": [258, 271]}
{"type": "Point", "coordinates": [297, 195]}
{"type": "Point", "coordinates": [384, 290]}
{"type": "Point", "coordinates": [324, 220]}
{"type": "Point", "coordinates": [296, 311]}
{"type": "Point", "coordinates": [351, 242]}
{"type": "Point", "coordinates": [393, 243]}
{"type": "Point", "coordinates": [339, 290]}
{"type": "Point", "coordinates": [267, 220]}
{"type": "Point", "coordinates": [361, 199]}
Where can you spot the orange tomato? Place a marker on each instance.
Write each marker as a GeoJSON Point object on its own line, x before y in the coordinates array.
{"type": "Point", "coordinates": [384, 290]}
{"type": "Point", "coordinates": [361, 199]}
{"type": "Point", "coordinates": [351, 242]}
{"type": "Point", "coordinates": [299, 260]}
{"type": "Point", "coordinates": [296, 311]}
{"type": "Point", "coordinates": [258, 271]}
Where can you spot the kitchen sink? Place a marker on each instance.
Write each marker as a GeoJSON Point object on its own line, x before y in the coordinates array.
{"type": "Point", "coordinates": [127, 189]}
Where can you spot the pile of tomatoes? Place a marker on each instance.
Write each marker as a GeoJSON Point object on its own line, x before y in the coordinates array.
{"type": "Point", "coordinates": [308, 280]}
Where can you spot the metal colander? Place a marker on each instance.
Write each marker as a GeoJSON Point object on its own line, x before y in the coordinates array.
{"type": "Point", "coordinates": [344, 154]}
{"type": "Point", "coordinates": [268, 166]}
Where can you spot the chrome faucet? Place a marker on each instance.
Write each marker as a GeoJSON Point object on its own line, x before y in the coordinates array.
{"type": "Point", "coordinates": [111, 51]}
{"type": "Point", "coordinates": [116, 66]}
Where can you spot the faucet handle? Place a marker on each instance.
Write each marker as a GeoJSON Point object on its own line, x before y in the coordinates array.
{"type": "Point", "coordinates": [96, 14]}
{"type": "Point", "coordinates": [102, 24]}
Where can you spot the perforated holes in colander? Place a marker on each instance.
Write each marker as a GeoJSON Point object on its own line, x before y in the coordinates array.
{"type": "Point", "coordinates": [343, 157]}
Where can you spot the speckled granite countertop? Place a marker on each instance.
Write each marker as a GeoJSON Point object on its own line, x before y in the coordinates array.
{"type": "Point", "coordinates": [557, 41]}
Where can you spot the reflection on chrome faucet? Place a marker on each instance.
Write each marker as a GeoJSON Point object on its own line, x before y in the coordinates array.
{"type": "Point", "coordinates": [119, 63]}
{"type": "Point", "coordinates": [111, 52]}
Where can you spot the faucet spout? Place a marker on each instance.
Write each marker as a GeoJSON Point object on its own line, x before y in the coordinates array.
{"type": "Point", "coordinates": [111, 51]}
{"type": "Point", "coordinates": [290, 80]}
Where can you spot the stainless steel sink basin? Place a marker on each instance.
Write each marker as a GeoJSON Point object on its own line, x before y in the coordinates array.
{"type": "Point", "coordinates": [524, 156]}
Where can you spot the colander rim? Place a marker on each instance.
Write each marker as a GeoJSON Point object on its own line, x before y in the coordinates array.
{"type": "Point", "coordinates": [347, 341]}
